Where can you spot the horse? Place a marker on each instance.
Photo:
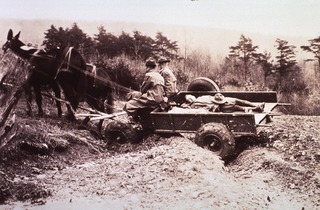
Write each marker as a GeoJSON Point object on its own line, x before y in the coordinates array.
{"type": "Point", "coordinates": [100, 91]}
{"type": "Point", "coordinates": [60, 67]}
{"type": "Point", "coordinates": [80, 82]}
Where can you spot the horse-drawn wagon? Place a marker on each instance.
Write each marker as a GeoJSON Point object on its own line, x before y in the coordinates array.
{"type": "Point", "coordinates": [215, 131]}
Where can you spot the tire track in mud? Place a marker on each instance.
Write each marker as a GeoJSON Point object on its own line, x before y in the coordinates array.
{"type": "Point", "coordinates": [177, 174]}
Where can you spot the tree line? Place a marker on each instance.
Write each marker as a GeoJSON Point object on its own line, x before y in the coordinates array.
{"type": "Point", "coordinates": [105, 44]}
{"type": "Point", "coordinates": [243, 58]}
{"type": "Point", "coordinates": [245, 54]}
{"type": "Point", "coordinates": [247, 62]}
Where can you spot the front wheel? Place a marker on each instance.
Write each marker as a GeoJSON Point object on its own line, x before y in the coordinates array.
{"type": "Point", "coordinates": [217, 138]}
{"type": "Point", "coordinates": [119, 132]}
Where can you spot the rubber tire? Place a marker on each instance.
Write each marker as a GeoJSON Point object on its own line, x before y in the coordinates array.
{"type": "Point", "coordinates": [119, 132]}
{"type": "Point", "coordinates": [203, 84]}
{"type": "Point", "coordinates": [218, 133]}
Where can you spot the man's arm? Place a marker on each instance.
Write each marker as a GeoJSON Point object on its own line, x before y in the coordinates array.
{"type": "Point", "coordinates": [146, 85]}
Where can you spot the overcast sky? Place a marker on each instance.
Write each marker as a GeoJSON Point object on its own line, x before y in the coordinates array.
{"type": "Point", "coordinates": [281, 17]}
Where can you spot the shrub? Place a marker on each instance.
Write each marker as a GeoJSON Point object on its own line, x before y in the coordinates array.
{"type": "Point", "coordinates": [127, 73]}
{"type": "Point", "coordinates": [302, 103]}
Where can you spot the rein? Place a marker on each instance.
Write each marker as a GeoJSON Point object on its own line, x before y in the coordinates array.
{"type": "Point", "coordinates": [41, 56]}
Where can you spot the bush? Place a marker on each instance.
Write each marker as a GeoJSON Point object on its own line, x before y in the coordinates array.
{"type": "Point", "coordinates": [302, 103]}
{"type": "Point", "coordinates": [127, 73]}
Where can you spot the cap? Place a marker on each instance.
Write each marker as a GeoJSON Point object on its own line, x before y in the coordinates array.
{"type": "Point", "coordinates": [163, 59]}
{"type": "Point", "coordinates": [151, 62]}
{"type": "Point", "coordinates": [219, 99]}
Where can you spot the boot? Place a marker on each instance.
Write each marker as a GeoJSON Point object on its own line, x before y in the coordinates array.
{"type": "Point", "coordinates": [259, 108]}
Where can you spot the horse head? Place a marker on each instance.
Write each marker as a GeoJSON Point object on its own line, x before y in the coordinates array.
{"type": "Point", "coordinates": [17, 46]}
{"type": "Point", "coordinates": [13, 42]}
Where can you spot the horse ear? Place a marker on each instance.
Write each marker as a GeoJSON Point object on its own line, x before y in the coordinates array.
{"type": "Point", "coordinates": [17, 35]}
{"type": "Point", "coordinates": [10, 34]}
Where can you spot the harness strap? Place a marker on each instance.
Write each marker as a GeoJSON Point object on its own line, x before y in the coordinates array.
{"type": "Point", "coordinates": [68, 54]}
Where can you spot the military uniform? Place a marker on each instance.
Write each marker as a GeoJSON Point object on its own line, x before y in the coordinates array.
{"type": "Point", "coordinates": [152, 93]}
{"type": "Point", "coordinates": [170, 82]}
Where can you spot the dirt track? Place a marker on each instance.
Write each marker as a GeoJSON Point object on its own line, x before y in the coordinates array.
{"type": "Point", "coordinates": [162, 173]}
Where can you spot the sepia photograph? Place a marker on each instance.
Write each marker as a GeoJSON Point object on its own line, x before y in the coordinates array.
{"type": "Point", "coordinates": [160, 104]}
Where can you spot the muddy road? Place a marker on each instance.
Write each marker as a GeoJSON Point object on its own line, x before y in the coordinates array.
{"type": "Point", "coordinates": [75, 169]}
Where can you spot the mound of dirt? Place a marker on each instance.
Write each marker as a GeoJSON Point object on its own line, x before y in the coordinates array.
{"type": "Point", "coordinates": [51, 164]}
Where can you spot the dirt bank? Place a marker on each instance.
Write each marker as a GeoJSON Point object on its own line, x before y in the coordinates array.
{"type": "Point", "coordinates": [75, 169]}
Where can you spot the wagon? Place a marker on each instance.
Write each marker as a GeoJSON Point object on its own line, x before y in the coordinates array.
{"type": "Point", "coordinates": [215, 131]}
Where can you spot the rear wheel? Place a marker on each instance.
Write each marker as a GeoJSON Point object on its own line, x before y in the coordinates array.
{"type": "Point", "coordinates": [216, 138]}
{"type": "Point", "coordinates": [203, 84]}
{"type": "Point", "coordinates": [119, 132]}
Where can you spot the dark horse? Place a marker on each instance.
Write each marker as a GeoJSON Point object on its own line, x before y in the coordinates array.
{"type": "Point", "coordinates": [61, 67]}
{"type": "Point", "coordinates": [65, 68]}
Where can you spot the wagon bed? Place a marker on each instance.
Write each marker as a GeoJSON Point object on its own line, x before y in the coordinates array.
{"type": "Point", "coordinates": [215, 131]}
{"type": "Point", "coordinates": [239, 123]}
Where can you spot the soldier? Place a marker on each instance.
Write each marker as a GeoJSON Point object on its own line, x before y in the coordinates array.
{"type": "Point", "coordinates": [229, 104]}
{"type": "Point", "coordinates": [151, 93]}
{"type": "Point", "coordinates": [219, 103]}
{"type": "Point", "coordinates": [170, 81]}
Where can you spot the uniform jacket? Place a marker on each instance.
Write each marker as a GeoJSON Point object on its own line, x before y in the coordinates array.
{"type": "Point", "coordinates": [170, 81]}
{"type": "Point", "coordinates": [152, 87]}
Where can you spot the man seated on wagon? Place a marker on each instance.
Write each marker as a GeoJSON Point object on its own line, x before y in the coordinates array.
{"type": "Point", "coordinates": [151, 93]}
{"type": "Point", "coordinates": [220, 103]}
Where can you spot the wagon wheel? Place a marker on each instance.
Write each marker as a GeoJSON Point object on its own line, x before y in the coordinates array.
{"type": "Point", "coordinates": [119, 132]}
{"type": "Point", "coordinates": [217, 138]}
{"type": "Point", "coordinates": [203, 84]}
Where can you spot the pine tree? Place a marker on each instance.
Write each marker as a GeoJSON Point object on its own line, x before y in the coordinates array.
{"type": "Point", "coordinates": [245, 51]}
{"type": "Point", "coordinates": [285, 59]}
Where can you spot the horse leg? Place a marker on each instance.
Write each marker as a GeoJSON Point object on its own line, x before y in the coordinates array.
{"type": "Point", "coordinates": [104, 104]}
{"type": "Point", "coordinates": [73, 103]}
{"type": "Point", "coordinates": [37, 91]}
{"type": "Point", "coordinates": [110, 102]}
{"type": "Point", "coordinates": [92, 103]}
{"type": "Point", "coordinates": [28, 95]}
{"type": "Point", "coordinates": [69, 94]}
{"type": "Point", "coordinates": [95, 104]}
{"type": "Point", "coordinates": [87, 119]}
{"type": "Point", "coordinates": [57, 93]}
{"type": "Point", "coordinates": [71, 113]}
{"type": "Point", "coordinates": [110, 107]}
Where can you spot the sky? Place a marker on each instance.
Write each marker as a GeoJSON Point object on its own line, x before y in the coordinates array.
{"type": "Point", "coordinates": [280, 17]}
